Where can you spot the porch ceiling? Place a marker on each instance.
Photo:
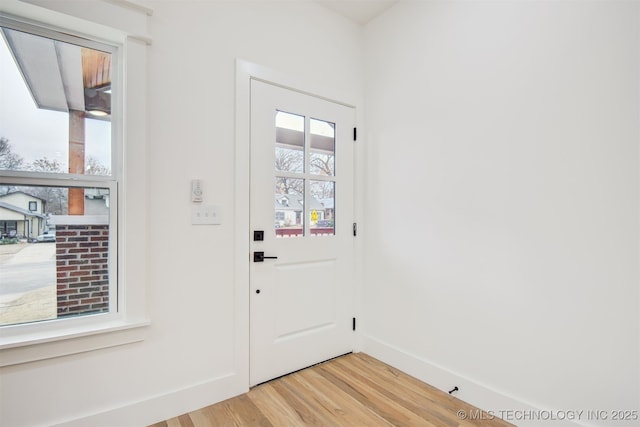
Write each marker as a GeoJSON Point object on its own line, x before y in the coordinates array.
{"type": "Point", "coordinates": [61, 76]}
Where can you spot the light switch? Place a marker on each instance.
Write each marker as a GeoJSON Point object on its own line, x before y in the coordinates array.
{"type": "Point", "coordinates": [205, 215]}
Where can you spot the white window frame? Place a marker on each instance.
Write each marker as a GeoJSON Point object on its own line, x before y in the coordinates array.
{"type": "Point", "coordinates": [127, 316]}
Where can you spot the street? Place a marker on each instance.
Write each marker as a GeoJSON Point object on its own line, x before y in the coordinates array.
{"type": "Point", "coordinates": [26, 268]}
{"type": "Point", "coordinates": [21, 278]}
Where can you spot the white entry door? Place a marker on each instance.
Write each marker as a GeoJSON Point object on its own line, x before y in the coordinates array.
{"type": "Point", "coordinates": [302, 244]}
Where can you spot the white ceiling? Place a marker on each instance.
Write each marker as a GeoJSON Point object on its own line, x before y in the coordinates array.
{"type": "Point", "coordinates": [360, 11]}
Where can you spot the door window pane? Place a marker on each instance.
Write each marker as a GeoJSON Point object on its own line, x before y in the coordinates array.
{"type": "Point", "coordinates": [289, 142]}
{"type": "Point", "coordinates": [289, 207]}
{"type": "Point", "coordinates": [322, 151]}
{"type": "Point", "coordinates": [322, 208]}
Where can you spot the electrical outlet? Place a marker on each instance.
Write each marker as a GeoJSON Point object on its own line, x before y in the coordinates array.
{"type": "Point", "coordinates": [205, 215]}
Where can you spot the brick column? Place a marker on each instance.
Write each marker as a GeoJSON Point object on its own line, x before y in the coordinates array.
{"type": "Point", "coordinates": [82, 267]}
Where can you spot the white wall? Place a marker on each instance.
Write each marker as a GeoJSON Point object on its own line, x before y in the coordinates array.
{"type": "Point", "coordinates": [187, 360]}
{"type": "Point", "coordinates": [502, 255]}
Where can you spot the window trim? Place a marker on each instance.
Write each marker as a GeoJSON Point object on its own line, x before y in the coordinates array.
{"type": "Point", "coordinates": [127, 318]}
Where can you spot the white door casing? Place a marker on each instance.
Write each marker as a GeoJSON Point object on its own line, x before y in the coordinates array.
{"type": "Point", "coordinates": [302, 302]}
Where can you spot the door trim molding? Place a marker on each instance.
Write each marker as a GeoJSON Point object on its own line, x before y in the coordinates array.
{"type": "Point", "coordinates": [245, 72]}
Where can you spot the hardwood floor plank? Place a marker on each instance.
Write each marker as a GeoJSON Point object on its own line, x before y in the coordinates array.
{"type": "Point", "coordinates": [174, 422]}
{"type": "Point", "coordinates": [307, 413]}
{"type": "Point", "coordinates": [200, 419]}
{"type": "Point", "coordinates": [441, 402]}
{"type": "Point", "coordinates": [392, 375]}
{"type": "Point", "coordinates": [352, 390]}
{"type": "Point", "coordinates": [274, 406]}
{"type": "Point", "coordinates": [423, 399]}
{"type": "Point", "coordinates": [217, 415]}
{"type": "Point", "coordinates": [346, 410]}
{"type": "Point", "coordinates": [391, 411]}
{"type": "Point", "coordinates": [245, 412]}
{"type": "Point", "coordinates": [185, 421]}
{"type": "Point", "coordinates": [395, 389]}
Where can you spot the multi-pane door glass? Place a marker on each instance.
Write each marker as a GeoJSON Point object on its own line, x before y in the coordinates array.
{"type": "Point", "coordinates": [305, 165]}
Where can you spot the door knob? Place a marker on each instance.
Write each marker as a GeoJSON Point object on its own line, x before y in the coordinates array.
{"type": "Point", "coordinates": [259, 257]}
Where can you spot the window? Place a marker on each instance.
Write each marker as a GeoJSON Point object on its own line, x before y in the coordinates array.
{"type": "Point", "coordinates": [8, 229]}
{"type": "Point", "coordinates": [107, 183]}
{"type": "Point", "coordinates": [291, 182]}
{"type": "Point", "coordinates": [58, 176]}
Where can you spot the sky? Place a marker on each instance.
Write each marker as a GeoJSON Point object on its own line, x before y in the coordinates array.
{"type": "Point", "coordinates": [35, 133]}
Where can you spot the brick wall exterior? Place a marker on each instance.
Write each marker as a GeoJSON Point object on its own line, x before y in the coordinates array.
{"type": "Point", "coordinates": [82, 268]}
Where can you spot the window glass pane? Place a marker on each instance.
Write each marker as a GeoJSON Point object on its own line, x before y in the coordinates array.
{"type": "Point", "coordinates": [52, 265]}
{"type": "Point", "coordinates": [55, 106]}
{"type": "Point", "coordinates": [322, 208]}
{"type": "Point", "coordinates": [289, 207]}
{"type": "Point", "coordinates": [322, 152]}
{"type": "Point", "coordinates": [289, 142]}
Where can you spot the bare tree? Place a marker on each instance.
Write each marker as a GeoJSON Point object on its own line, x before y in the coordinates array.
{"type": "Point", "coordinates": [9, 159]}
{"type": "Point", "coordinates": [55, 197]}
{"type": "Point", "coordinates": [45, 165]}
{"type": "Point", "coordinates": [322, 164]}
{"type": "Point", "coordinates": [322, 189]}
{"type": "Point", "coordinates": [289, 185]}
{"type": "Point", "coordinates": [94, 166]}
{"type": "Point", "coordinates": [289, 160]}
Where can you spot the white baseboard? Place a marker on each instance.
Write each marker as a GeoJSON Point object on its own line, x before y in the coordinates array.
{"type": "Point", "coordinates": [496, 403]}
{"type": "Point", "coordinates": [162, 407]}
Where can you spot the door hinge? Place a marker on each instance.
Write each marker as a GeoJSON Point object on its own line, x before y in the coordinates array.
{"type": "Point", "coordinates": [354, 324]}
{"type": "Point", "coordinates": [355, 229]}
{"type": "Point", "coordinates": [355, 134]}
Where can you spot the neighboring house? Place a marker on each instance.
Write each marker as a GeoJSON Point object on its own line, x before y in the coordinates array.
{"type": "Point", "coordinates": [22, 215]}
{"type": "Point", "coordinates": [327, 206]}
{"type": "Point", "coordinates": [96, 202]}
{"type": "Point", "coordinates": [289, 208]}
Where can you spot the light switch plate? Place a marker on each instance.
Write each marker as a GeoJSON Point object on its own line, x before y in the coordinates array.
{"type": "Point", "coordinates": [205, 215]}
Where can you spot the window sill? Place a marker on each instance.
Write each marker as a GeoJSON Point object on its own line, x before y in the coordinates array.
{"type": "Point", "coordinates": [79, 339]}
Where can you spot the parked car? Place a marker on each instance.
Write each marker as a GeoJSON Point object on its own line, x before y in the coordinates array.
{"type": "Point", "coordinates": [48, 236]}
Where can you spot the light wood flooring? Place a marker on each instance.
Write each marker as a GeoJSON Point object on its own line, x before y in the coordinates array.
{"type": "Point", "coordinates": [352, 390]}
